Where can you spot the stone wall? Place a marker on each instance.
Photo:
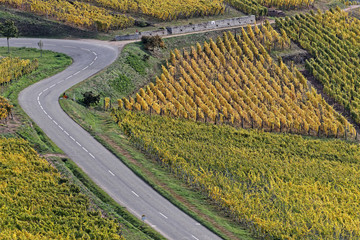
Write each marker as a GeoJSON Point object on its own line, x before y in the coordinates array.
{"type": "Point", "coordinates": [162, 32]}
{"type": "Point", "coordinates": [127, 37]}
{"type": "Point", "coordinates": [232, 22]}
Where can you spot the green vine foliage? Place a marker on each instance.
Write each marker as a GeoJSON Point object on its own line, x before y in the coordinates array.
{"type": "Point", "coordinates": [333, 39]}
{"type": "Point", "coordinates": [281, 186]}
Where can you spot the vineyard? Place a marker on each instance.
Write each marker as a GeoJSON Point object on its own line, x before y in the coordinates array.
{"type": "Point", "coordinates": [165, 9]}
{"type": "Point", "coordinates": [76, 13]}
{"type": "Point", "coordinates": [333, 39]}
{"type": "Point", "coordinates": [286, 4]}
{"type": "Point", "coordinates": [227, 117]}
{"type": "Point", "coordinates": [105, 15]}
{"type": "Point", "coordinates": [235, 81]}
{"type": "Point", "coordinates": [248, 6]}
{"type": "Point", "coordinates": [37, 203]}
{"type": "Point", "coordinates": [260, 7]}
{"type": "Point", "coordinates": [12, 69]}
{"type": "Point", "coordinates": [5, 108]}
{"type": "Point", "coordinates": [279, 186]}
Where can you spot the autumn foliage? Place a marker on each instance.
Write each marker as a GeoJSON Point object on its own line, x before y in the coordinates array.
{"type": "Point", "coordinates": [333, 39]}
{"type": "Point", "coordinates": [37, 203]}
{"type": "Point", "coordinates": [235, 81]}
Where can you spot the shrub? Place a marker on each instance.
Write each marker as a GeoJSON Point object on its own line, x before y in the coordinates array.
{"type": "Point", "coordinates": [90, 98]}
{"type": "Point", "coordinates": [152, 42]}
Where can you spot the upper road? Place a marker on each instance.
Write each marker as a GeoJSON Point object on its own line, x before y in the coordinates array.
{"type": "Point", "coordinates": [40, 102]}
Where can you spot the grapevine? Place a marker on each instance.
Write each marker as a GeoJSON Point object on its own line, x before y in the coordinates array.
{"type": "Point", "coordinates": [280, 186]}
{"type": "Point", "coordinates": [233, 80]}
{"type": "Point", "coordinates": [333, 39]}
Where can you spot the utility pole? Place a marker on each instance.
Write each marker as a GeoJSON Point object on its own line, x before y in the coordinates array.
{"type": "Point", "coordinates": [40, 44]}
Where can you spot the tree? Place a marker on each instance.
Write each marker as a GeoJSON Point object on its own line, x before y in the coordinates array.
{"type": "Point", "coordinates": [90, 98]}
{"type": "Point", "coordinates": [152, 42]}
{"type": "Point", "coordinates": [9, 30]}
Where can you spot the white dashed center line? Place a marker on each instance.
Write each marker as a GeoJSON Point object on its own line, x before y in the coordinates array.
{"type": "Point", "coordinates": [163, 215]}
{"type": "Point", "coordinates": [111, 173]}
{"type": "Point", "coordinates": [135, 193]}
{"type": "Point", "coordinates": [53, 85]}
{"type": "Point", "coordinates": [194, 237]}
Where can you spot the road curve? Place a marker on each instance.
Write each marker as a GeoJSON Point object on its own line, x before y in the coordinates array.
{"type": "Point", "coordinates": [40, 102]}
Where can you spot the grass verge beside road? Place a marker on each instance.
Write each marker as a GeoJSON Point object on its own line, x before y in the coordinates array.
{"type": "Point", "coordinates": [102, 127]}
{"type": "Point", "coordinates": [132, 228]}
{"type": "Point", "coordinates": [50, 64]}
{"type": "Point", "coordinates": [22, 126]}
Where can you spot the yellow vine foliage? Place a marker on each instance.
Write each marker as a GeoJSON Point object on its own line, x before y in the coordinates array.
{"type": "Point", "coordinates": [13, 68]}
{"type": "Point", "coordinates": [107, 103]}
{"type": "Point", "coordinates": [234, 81]}
{"type": "Point", "coordinates": [75, 13]}
{"type": "Point", "coordinates": [166, 10]}
{"type": "Point", "coordinates": [333, 39]}
{"type": "Point", "coordinates": [286, 4]}
{"type": "Point", "coordinates": [38, 203]}
{"type": "Point", "coordinates": [280, 186]}
{"type": "Point", "coordinates": [5, 108]}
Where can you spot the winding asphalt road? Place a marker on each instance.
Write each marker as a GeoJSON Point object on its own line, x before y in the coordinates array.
{"type": "Point", "coordinates": [40, 102]}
